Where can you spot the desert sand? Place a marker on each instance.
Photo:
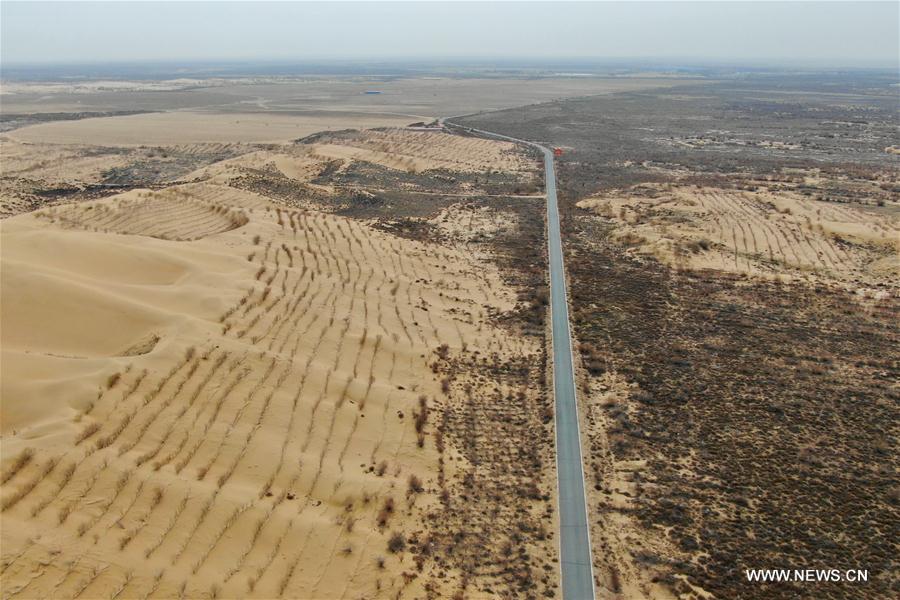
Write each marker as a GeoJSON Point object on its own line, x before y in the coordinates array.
{"type": "Point", "coordinates": [208, 395]}
{"type": "Point", "coordinates": [757, 232]}
{"type": "Point", "coordinates": [422, 150]}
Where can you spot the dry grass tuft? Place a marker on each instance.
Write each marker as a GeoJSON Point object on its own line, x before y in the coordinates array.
{"type": "Point", "coordinates": [26, 488]}
{"type": "Point", "coordinates": [87, 432]}
{"type": "Point", "coordinates": [20, 462]}
{"type": "Point", "coordinates": [112, 380]}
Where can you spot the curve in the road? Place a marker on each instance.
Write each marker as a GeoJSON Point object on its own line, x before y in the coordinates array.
{"type": "Point", "coordinates": [576, 566]}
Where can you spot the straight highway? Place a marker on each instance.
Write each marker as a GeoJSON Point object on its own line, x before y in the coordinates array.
{"type": "Point", "coordinates": [576, 566]}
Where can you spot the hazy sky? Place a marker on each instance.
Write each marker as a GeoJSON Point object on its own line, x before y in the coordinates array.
{"type": "Point", "coordinates": [838, 33]}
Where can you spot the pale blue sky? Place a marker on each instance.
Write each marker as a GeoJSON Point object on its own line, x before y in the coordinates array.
{"type": "Point", "coordinates": [829, 33]}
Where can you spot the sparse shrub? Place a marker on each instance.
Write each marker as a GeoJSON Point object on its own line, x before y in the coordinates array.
{"type": "Point", "coordinates": [385, 513]}
{"type": "Point", "coordinates": [541, 296]}
{"type": "Point", "coordinates": [396, 543]}
{"type": "Point", "coordinates": [420, 418]}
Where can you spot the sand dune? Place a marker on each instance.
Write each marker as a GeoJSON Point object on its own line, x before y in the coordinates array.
{"type": "Point", "coordinates": [172, 214]}
{"type": "Point", "coordinates": [55, 164]}
{"type": "Point", "coordinates": [75, 298]}
{"type": "Point", "coordinates": [398, 149]}
{"type": "Point", "coordinates": [756, 232]}
{"type": "Point", "coordinates": [422, 150]}
{"type": "Point", "coordinates": [243, 414]}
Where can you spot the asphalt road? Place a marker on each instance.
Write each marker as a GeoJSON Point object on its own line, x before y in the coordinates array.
{"type": "Point", "coordinates": [576, 570]}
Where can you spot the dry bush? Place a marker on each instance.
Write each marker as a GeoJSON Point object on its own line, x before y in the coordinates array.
{"type": "Point", "coordinates": [381, 468]}
{"type": "Point", "coordinates": [415, 485]}
{"type": "Point", "coordinates": [348, 525]}
{"type": "Point", "coordinates": [385, 513]}
{"type": "Point", "coordinates": [396, 543]}
{"type": "Point", "coordinates": [420, 418]}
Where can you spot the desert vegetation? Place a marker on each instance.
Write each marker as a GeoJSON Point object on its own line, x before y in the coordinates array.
{"type": "Point", "coordinates": [734, 302]}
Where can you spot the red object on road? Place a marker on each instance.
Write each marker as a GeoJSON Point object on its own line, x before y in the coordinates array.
{"type": "Point", "coordinates": [557, 152]}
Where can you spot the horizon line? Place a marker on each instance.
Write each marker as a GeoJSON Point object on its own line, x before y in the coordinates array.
{"type": "Point", "coordinates": [444, 60]}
